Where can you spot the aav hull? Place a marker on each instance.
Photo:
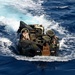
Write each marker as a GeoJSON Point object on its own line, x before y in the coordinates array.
{"type": "Point", "coordinates": [39, 44]}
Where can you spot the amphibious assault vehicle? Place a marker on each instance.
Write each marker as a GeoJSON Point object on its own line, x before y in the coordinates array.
{"type": "Point", "coordinates": [40, 43]}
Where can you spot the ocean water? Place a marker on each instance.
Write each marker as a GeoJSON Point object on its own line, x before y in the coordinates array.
{"type": "Point", "coordinates": [58, 15]}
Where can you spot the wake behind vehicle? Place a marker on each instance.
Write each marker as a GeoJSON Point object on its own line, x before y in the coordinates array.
{"type": "Point", "coordinates": [33, 41]}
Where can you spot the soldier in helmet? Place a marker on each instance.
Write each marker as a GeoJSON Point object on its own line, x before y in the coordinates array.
{"type": "Point", "coordinates": [25, 34]}
{"type": "Point", "coordinates": [54, 45]}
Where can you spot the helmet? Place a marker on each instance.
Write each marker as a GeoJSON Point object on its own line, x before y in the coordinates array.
{"type": "Point", "coordinates": [46, 38]}
{"type": "Point", "coordinates": [24, 29]}
{"type": "Point", "coordinates": [50, 33]}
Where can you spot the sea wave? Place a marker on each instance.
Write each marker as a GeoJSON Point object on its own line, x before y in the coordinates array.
{"type": "Point", "coordinates": [62, 7]}
{"type": "Point", "coordinates": [11, 22]}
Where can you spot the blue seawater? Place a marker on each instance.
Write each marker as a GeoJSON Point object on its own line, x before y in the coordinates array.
{"type": "Point", "coordinates": [58, 15]}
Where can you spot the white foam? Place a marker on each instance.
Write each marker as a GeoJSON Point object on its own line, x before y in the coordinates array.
{"type": "Point", "coordinates": [10, 22]}
{"type": "Point", "coordinates": [5, 40]}
{"type": "Point", "coordinates": [62, 43]}
{"type": "Point", "coordinates": [4, 49]}
{"type": "Point", "coordinates": [62, 7]}
{"type": "Point", "coordinates": [23, 4]}
{"type": "Point", "coordinates": [28, 18]}
{"type": "Point", "coordinates": [43, 58]}
{"type": "Point", "coordinates": [55, 25]}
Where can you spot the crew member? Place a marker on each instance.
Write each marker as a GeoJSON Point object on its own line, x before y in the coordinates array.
{"type": "Point", "coordinates": [25, 34]}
